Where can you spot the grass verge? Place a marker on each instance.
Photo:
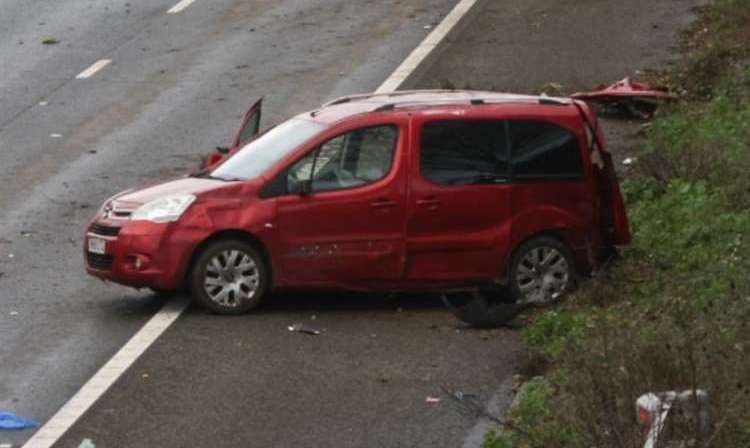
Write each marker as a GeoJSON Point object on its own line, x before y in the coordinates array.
{"type": "Point", "coordinates": [674, 312]}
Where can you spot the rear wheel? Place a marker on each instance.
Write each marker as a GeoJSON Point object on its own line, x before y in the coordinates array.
{"type": "Point", "coordinates": [229, 277]}
{"type": "Point", "coordinates": [542, 270]}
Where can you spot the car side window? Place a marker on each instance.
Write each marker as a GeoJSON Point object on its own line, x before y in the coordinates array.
{"type": "Point", "coordinates": [541, 149]}
{"type": "Point", "coordinates": [464, 152]}
{"type": "Point", "coordinates": [353, 159]}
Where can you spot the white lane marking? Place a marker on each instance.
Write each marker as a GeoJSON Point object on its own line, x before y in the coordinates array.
{"type": "Point", "coordinates": [95, 67]}
{"type": "Point", "coordinates": [182, 4]}
{"type": "Point", "coordinates": [417, 57]}
{"type": "Point", "coordinates": [107, 375]}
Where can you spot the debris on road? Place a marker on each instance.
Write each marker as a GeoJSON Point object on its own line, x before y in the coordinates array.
{"type": "Point", "coordinates": [9, 420]}
{"type": "Point", "coordinates": [301, 328]}
{"type": "Point", "coordinates": [458, 394]}
{"type": "Point", "coordinates": [432, 400]}
{"type": "Point", "coordinates": [629, 161]}
{"type": "Point", "coordinates": [50, 41]}
{"type": "Point", "coordinates": [637, 99]}
{"type": "Point", "coordinates": [87, 443]}
{"type": "Point", "coordinates": [474, 308]}
{"type": "Point", "coordinates": [14, 313]}
{"type": "Point", "coordinates": [552, 89]}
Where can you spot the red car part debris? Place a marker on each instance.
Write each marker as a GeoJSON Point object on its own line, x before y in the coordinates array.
{"type": "Point", "coordinates": [639, 99]}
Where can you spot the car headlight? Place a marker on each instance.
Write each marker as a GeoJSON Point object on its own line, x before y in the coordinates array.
{"type": "Point", "coordinates": [165, 209]}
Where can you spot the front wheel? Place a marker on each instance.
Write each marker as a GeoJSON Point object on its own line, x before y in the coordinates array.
{"type": "Point", "coordinates": [542, 270]}
{"type": "Point", "coordinates": [229, 277]}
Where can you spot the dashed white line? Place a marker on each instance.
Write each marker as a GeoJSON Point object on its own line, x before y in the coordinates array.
{"type": "Point", "coordinates": [95, 67]}
{"type": "Point", "coordinates": [429, 44]}
{"type": "Point", "coordinates": [107, 375]}
{"type": "Point", "coordinates": [179, 6]}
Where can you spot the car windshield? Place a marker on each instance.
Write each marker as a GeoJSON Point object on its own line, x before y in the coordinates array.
{"type": "Point", "coordinates": [263, 152]}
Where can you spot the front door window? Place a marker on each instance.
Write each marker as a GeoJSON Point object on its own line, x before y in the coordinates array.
{"type": "Point", "coordinates": [350, 160]}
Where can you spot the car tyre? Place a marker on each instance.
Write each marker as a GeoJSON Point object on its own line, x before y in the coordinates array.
{"type": "Point", "coordinates": [229, 277]}
{"type": "Point", "coordinates": [542, 271]}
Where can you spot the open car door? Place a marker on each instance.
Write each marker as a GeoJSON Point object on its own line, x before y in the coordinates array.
{"type": "Point", "coordinates": [249, 128]}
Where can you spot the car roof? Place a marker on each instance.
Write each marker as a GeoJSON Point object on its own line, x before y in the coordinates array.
{"type": "Point", "coordinates": [421, 100]}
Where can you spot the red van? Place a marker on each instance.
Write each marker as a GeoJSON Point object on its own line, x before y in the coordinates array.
{"type": "Point", "coordinates": [404, 191]}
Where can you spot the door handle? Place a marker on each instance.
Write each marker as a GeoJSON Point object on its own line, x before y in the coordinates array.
{"type": "Point", "coordinates": [429, 201]}
{"type": "Point", "coordinates": [383, 203]}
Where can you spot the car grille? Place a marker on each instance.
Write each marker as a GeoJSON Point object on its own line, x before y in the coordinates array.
{"type": "Point", "coordinates": [104, 230]}
{"type": "Point", "coordinates": [100, 262]}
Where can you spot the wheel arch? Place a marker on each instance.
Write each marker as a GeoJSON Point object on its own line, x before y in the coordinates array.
{"type": "Point", "coordinates": [223, 235]}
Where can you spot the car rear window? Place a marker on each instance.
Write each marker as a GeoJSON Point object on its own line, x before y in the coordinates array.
{"type": "Point", "coordinates": [541, 149]}
{"type": "Point", "coordinates": [463, 152]}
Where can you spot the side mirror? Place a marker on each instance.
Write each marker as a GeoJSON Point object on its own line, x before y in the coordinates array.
{"type": "Point", "coordinates": [305, 187]}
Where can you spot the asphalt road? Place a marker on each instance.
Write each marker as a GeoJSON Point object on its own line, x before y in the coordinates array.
{"type": "Point", "coordinates": [176, 87]}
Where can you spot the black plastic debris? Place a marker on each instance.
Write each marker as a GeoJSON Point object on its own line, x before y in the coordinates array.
{"type": "Point", "coordinates": [482, 309]}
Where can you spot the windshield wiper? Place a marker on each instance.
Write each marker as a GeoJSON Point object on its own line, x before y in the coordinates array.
{"type": "Point", "coordinates": [206, 175]}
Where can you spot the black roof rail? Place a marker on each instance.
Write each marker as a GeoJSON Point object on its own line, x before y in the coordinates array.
{"type": "Point", "coordinates": [552, 101]}
{"type": "Point", "coordinates": [385, 108]}
{"type": "Point", "coordinates": [342, 100]}
{"type": "Point", "coordinates": [395, 93]}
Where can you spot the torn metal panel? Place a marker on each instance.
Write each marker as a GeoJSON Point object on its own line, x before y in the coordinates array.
{"type": "Point", "coordinates": [638, 99]}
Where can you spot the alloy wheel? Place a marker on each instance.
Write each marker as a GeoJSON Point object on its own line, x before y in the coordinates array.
{"type": "Point", "coordinates": [542, 275]}
{"type": "Point", "coordinates": [231, 278]}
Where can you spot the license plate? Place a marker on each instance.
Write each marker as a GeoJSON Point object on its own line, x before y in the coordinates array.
{"type": "Point", "coordinates": [97, 246]}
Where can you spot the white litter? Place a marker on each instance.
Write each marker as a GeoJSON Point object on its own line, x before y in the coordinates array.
{"type": "Point", "coordinates": [653, 410]}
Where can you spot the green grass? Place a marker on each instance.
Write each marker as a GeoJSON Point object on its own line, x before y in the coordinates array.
{"type": "Point", "coordinates": [674, 311]}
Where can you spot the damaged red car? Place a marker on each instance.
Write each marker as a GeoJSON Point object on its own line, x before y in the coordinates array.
{"type": "Point", "coordinates": [405, 191]}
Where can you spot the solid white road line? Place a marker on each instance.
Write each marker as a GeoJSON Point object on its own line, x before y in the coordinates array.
{"type": "Point", "coordinates": [95, 67]}
{"type": "Point", "coordinates": [418, 56]}
{"type": "Point", "coordinates": [179, 6]}
{"type": "Point", "coordinates": [107, 375]}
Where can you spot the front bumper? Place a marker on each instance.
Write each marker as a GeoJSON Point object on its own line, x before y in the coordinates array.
{"type": "Point", "coordinates": [138, 253]}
